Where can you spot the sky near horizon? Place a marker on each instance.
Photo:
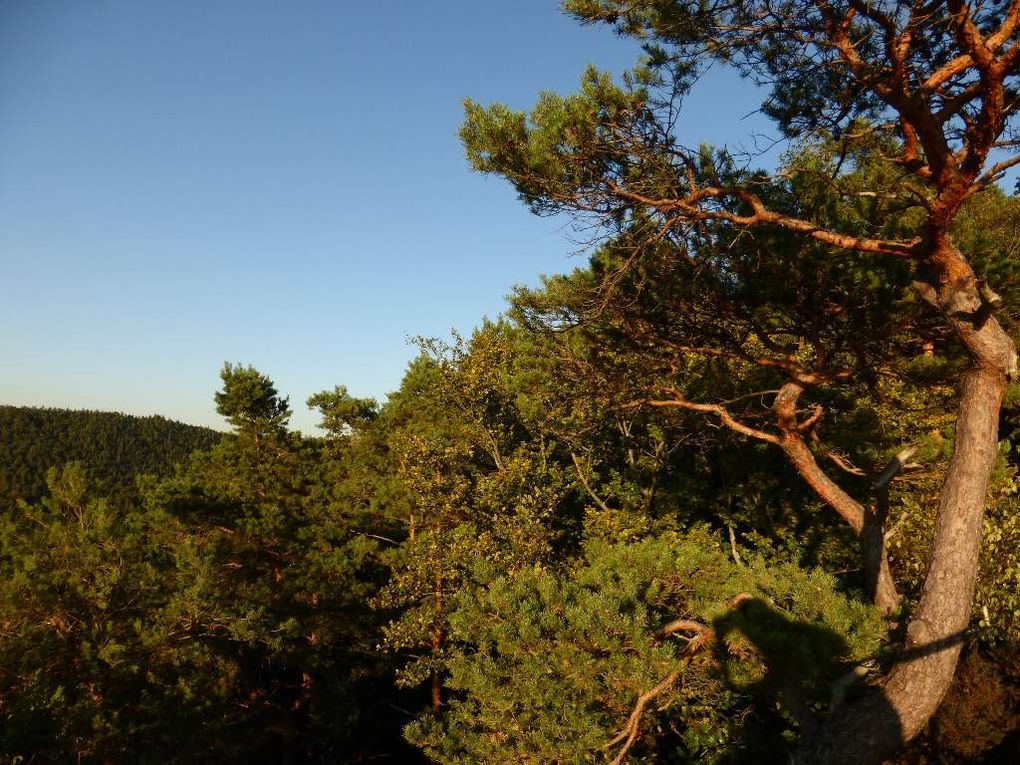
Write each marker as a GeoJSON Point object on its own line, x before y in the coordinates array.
{"type": "Point", "coordinates": [185, 182]}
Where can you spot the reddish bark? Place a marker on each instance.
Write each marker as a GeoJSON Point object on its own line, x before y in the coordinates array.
{"type": "Point", "coordinates": [878, 578]}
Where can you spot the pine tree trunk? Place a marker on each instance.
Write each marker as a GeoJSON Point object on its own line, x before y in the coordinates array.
{"type": "Point", "coordinates": [871, 730]}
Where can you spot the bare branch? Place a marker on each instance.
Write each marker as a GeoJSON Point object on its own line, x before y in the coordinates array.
{"type": "Point", "coordinates": [630, 731]}
{"type": "Point", "coordinates": [896, 464]}
{"type": "Point", "coordinates": [703, 635]}
{"type": "Point", "coordinates": [995, 172]}
{"type": "Point", "coordinates": [733, 546]}
{"type": "Point", "coordinates": [587, 487]}
{"type": "Point", "coordinates": [702, 631]}
{"type": "Point", "coordinates": [843, 463]}
{"type": "Point", "coordinates": [721, 412]}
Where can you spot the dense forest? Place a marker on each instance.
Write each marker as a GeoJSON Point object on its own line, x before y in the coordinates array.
{"type": "Point", "coordinates": [741, 489]}
{"type": "Point", "coordinates": [112, 447]}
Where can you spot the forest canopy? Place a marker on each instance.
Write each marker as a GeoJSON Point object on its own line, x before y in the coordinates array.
{"type": "Point", "coordinates": [113, 447]}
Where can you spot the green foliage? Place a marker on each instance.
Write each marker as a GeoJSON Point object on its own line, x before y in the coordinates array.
{"type": "Point", "coordinates": [277, 578]}
{"type": "Point", "coordinates": [504, 530]}
{"type": "Point", "coordinates": [474, 483]}
{"type": "Point", "coordinates": [223, 617]}
{"type": "Point", "coordinates": [547, 663]}
{"type": "Point", "coordinates": [249, 401]}
{"type": "Point", "coordinates": [112, 448]}
{"type": "Point", "coordinates": [343, 414]}
{"type": "Point", "coordinates": [88, 664]}
{"type": "Point", "coordinates": [565, 146]}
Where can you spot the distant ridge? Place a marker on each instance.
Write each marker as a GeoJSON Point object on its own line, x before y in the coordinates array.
{"type": "Point", "coordinates": [111, 446]}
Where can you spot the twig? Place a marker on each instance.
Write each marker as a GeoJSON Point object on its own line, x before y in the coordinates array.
{"type": "Point", "coordinates": [888, 535]}
{"type": "Point", "coordinates": [380, 537]}
{"type": "Point", "coordinates": [842, 462]}
{"type": "Point", "coordinates": [587, 487]}
{"type": "Point", "coordinates": [733, 546]}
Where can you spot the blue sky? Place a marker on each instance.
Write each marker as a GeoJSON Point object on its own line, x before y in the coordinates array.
{"type": "Point", "coordinates": [188, 182]}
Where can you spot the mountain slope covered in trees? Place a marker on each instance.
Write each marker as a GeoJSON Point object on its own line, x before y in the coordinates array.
{"type": "Point", "coordinates": [113, 447]}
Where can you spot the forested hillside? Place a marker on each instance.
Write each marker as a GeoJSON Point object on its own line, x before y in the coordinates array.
{"type": "Point", "coordinates": [112, 447]}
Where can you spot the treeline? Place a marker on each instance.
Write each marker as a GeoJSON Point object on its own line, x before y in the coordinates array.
{"type": "Point", "coordinates": [112, 447]}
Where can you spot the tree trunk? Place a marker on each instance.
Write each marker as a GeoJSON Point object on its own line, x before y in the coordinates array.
{"type": "Point", "coordinates": [878, 578]}
{"type": "Point", "coordinates": [871, 730]}
{"type": "Point", "coordinates": [437, 680]}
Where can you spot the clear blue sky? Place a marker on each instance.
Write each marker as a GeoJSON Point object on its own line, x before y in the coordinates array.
{"type": "Point", "coordinates": [184, 182]}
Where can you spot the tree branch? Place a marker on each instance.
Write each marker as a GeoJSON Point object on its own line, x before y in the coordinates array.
{"type": "Point", "coordinates": [630, 732]}
{"type": "Point", "coordinates": [721, 412]}
{"type": "Point", "coordinates": [703, 634]}
{"type": "Point", "coordinates": [733, 546]}
{"type": "Point", "coordinates": [587, 487]}
{"type": "Point", "coordinates": [690, 208]}
{"type": "Point", "coordinates": [896, 464]}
